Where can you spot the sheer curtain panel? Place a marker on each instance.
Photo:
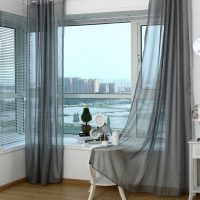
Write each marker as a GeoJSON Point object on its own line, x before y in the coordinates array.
{"type": "Point", "coordinates": [153, 151]}
{"type": "Point", "coordinates": [44, 110]}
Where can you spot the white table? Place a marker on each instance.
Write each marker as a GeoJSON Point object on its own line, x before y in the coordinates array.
{"type": "Point", "coordinates": [194, 154]}
{"type": "Point", "coordinates": [99, 180]}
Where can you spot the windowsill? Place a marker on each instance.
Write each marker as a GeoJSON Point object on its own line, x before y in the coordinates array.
{"type": "Point", "coordinates": [12, 147]}
{"type": "Point", "coordinates": [70, 143]}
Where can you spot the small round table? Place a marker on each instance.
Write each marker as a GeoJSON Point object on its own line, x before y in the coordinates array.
{"type": "Point", "coordinates": [100, 180]}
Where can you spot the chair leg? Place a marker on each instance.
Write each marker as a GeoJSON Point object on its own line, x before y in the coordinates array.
{"type": "Point", "coordinates": [92, 191]}
{"type": "Point", "coordinates": [121, 192]}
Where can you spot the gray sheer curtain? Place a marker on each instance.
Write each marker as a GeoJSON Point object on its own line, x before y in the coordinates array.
{"type": "Point", "coordinates": [44, 116]}
{"type": "Point", "coordinates": [153, 153]}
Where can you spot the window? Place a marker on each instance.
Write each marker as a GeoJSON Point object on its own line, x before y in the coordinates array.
{"type": "Point", "coordinates": [12, 78]}
{"type": "Point", "coordinates": [149, 78]}
{"type": "Point", "coordinates": [153, 33]}
{"type": "Point", "coordinates": [100, 71]}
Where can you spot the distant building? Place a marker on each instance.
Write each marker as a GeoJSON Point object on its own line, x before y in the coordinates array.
{"type": "Point", "coordinates": [67, 85]}
{"type": "Point", "coordinates": [121, 88]}
{"type": "Point", "coordinates": [80, 88]}
{"type": "Point", "coordinates": [90, 86]}
{"type": "Point", "coordinates": [104, 88]}
{"type": "Point", "coordinates": [84, 86]}
{"type": "Point", "coordinates": [96, 86]}
{"type": "Point", "coordinates": [75, 85]}
{"type": "Point", "coordinates": [113, 88]}
{"type": "Point", "coordinates": [93, 86]}
{"type": "Point", "coordinates": [127, 89]}
{"type": "Point", "coordinates": [78, 85]}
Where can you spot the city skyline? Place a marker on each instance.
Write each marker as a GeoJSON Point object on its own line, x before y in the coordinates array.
{"type": "Point", "coordinates": [103, 80]}
{"type": "Point", "coordinates": [82, 85]}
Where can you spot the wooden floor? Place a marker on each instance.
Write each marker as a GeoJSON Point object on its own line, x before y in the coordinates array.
{"type": "Point", "coordinates": [69, 191]}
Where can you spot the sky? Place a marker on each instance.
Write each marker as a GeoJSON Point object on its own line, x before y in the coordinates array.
{"type": "Point", "coordinates": [98, 51]}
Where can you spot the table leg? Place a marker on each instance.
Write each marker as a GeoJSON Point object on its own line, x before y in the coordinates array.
{"type": "Point", "coordinates": [190, 196]}
{"type": "Point", "coordinates": [92, 191]}
{"type": "Point", "coordinates": [93, 183]}
{"type": "Point", "coordinates": [121, 192]}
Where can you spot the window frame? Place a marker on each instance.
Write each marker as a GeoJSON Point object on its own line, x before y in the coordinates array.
{"type": "Point", "coordinates": [19, 27]}
{"type": "Point", "coordinates": [135, 53]}
{"type": "Point", "coordinates": [136, 56]}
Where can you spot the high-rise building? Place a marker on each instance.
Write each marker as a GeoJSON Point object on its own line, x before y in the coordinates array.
{"type": "Point", "coordinates": [93, 86]}
{"type": "Point", "coordinates": [90, 86]}
{"type": "Point", "coordinates": [104, 88]}
{"type": "Point", "coordinates": [113, 88]}
{"type": "Point", "coordinates": [85, 85]}
{"type": "Point", "coordinates": [96, 86]}
{"type": "Point", "coordinates": [121, 87]}
{"type": "Point", "coordinates": [67, 85]}
{"type": "Point", "coordinates": [76, 85]}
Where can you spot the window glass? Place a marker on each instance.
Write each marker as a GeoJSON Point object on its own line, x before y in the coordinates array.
{"type": "Point", "coordinates": [7, 59]}
{"type": "Point", "coordinates": [150, 62]}
{"type": "Point", "coordinates": [12, 78]}
{"type": "Point", "coordinates": [97, 58]}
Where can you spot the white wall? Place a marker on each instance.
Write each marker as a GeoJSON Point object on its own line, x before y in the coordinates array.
{"type": "Point", "coordinates": [196, 66]}
{"type": "Point", "coordinates": [98, 6]}
{"type": "Point", "coordinates": [12, 166]}
{"type": "Point", "coordinates": [76, 164]}
{"type": "Point", "coordinates": [196, 59]}
{"type": "Point", "coordinates": [13, 6]}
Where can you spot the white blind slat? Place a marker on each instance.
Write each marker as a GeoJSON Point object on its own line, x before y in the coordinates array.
{"type": "Point", "coordinates": [12, 84]}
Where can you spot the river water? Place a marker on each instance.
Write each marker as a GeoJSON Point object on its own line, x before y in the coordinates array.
{"type": "Point", "coordinates": [117, 110]}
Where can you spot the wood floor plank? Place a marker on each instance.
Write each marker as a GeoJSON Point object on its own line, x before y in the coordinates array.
{"type": "Point", "coordinates": [69, 191]}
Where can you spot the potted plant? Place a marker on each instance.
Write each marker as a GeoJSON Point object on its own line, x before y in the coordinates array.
{"type": "Point", "coordinates": [86, 117]}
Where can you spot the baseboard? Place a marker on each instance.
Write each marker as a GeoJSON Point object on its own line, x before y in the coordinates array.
{"type": "Point", "coordinates": [8, 185]}
{"type": "Point", "coordinates": [75, 181]}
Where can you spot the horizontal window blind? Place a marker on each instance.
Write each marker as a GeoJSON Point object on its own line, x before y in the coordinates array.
{"type": "Point", "coordinates": [12, 78]}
